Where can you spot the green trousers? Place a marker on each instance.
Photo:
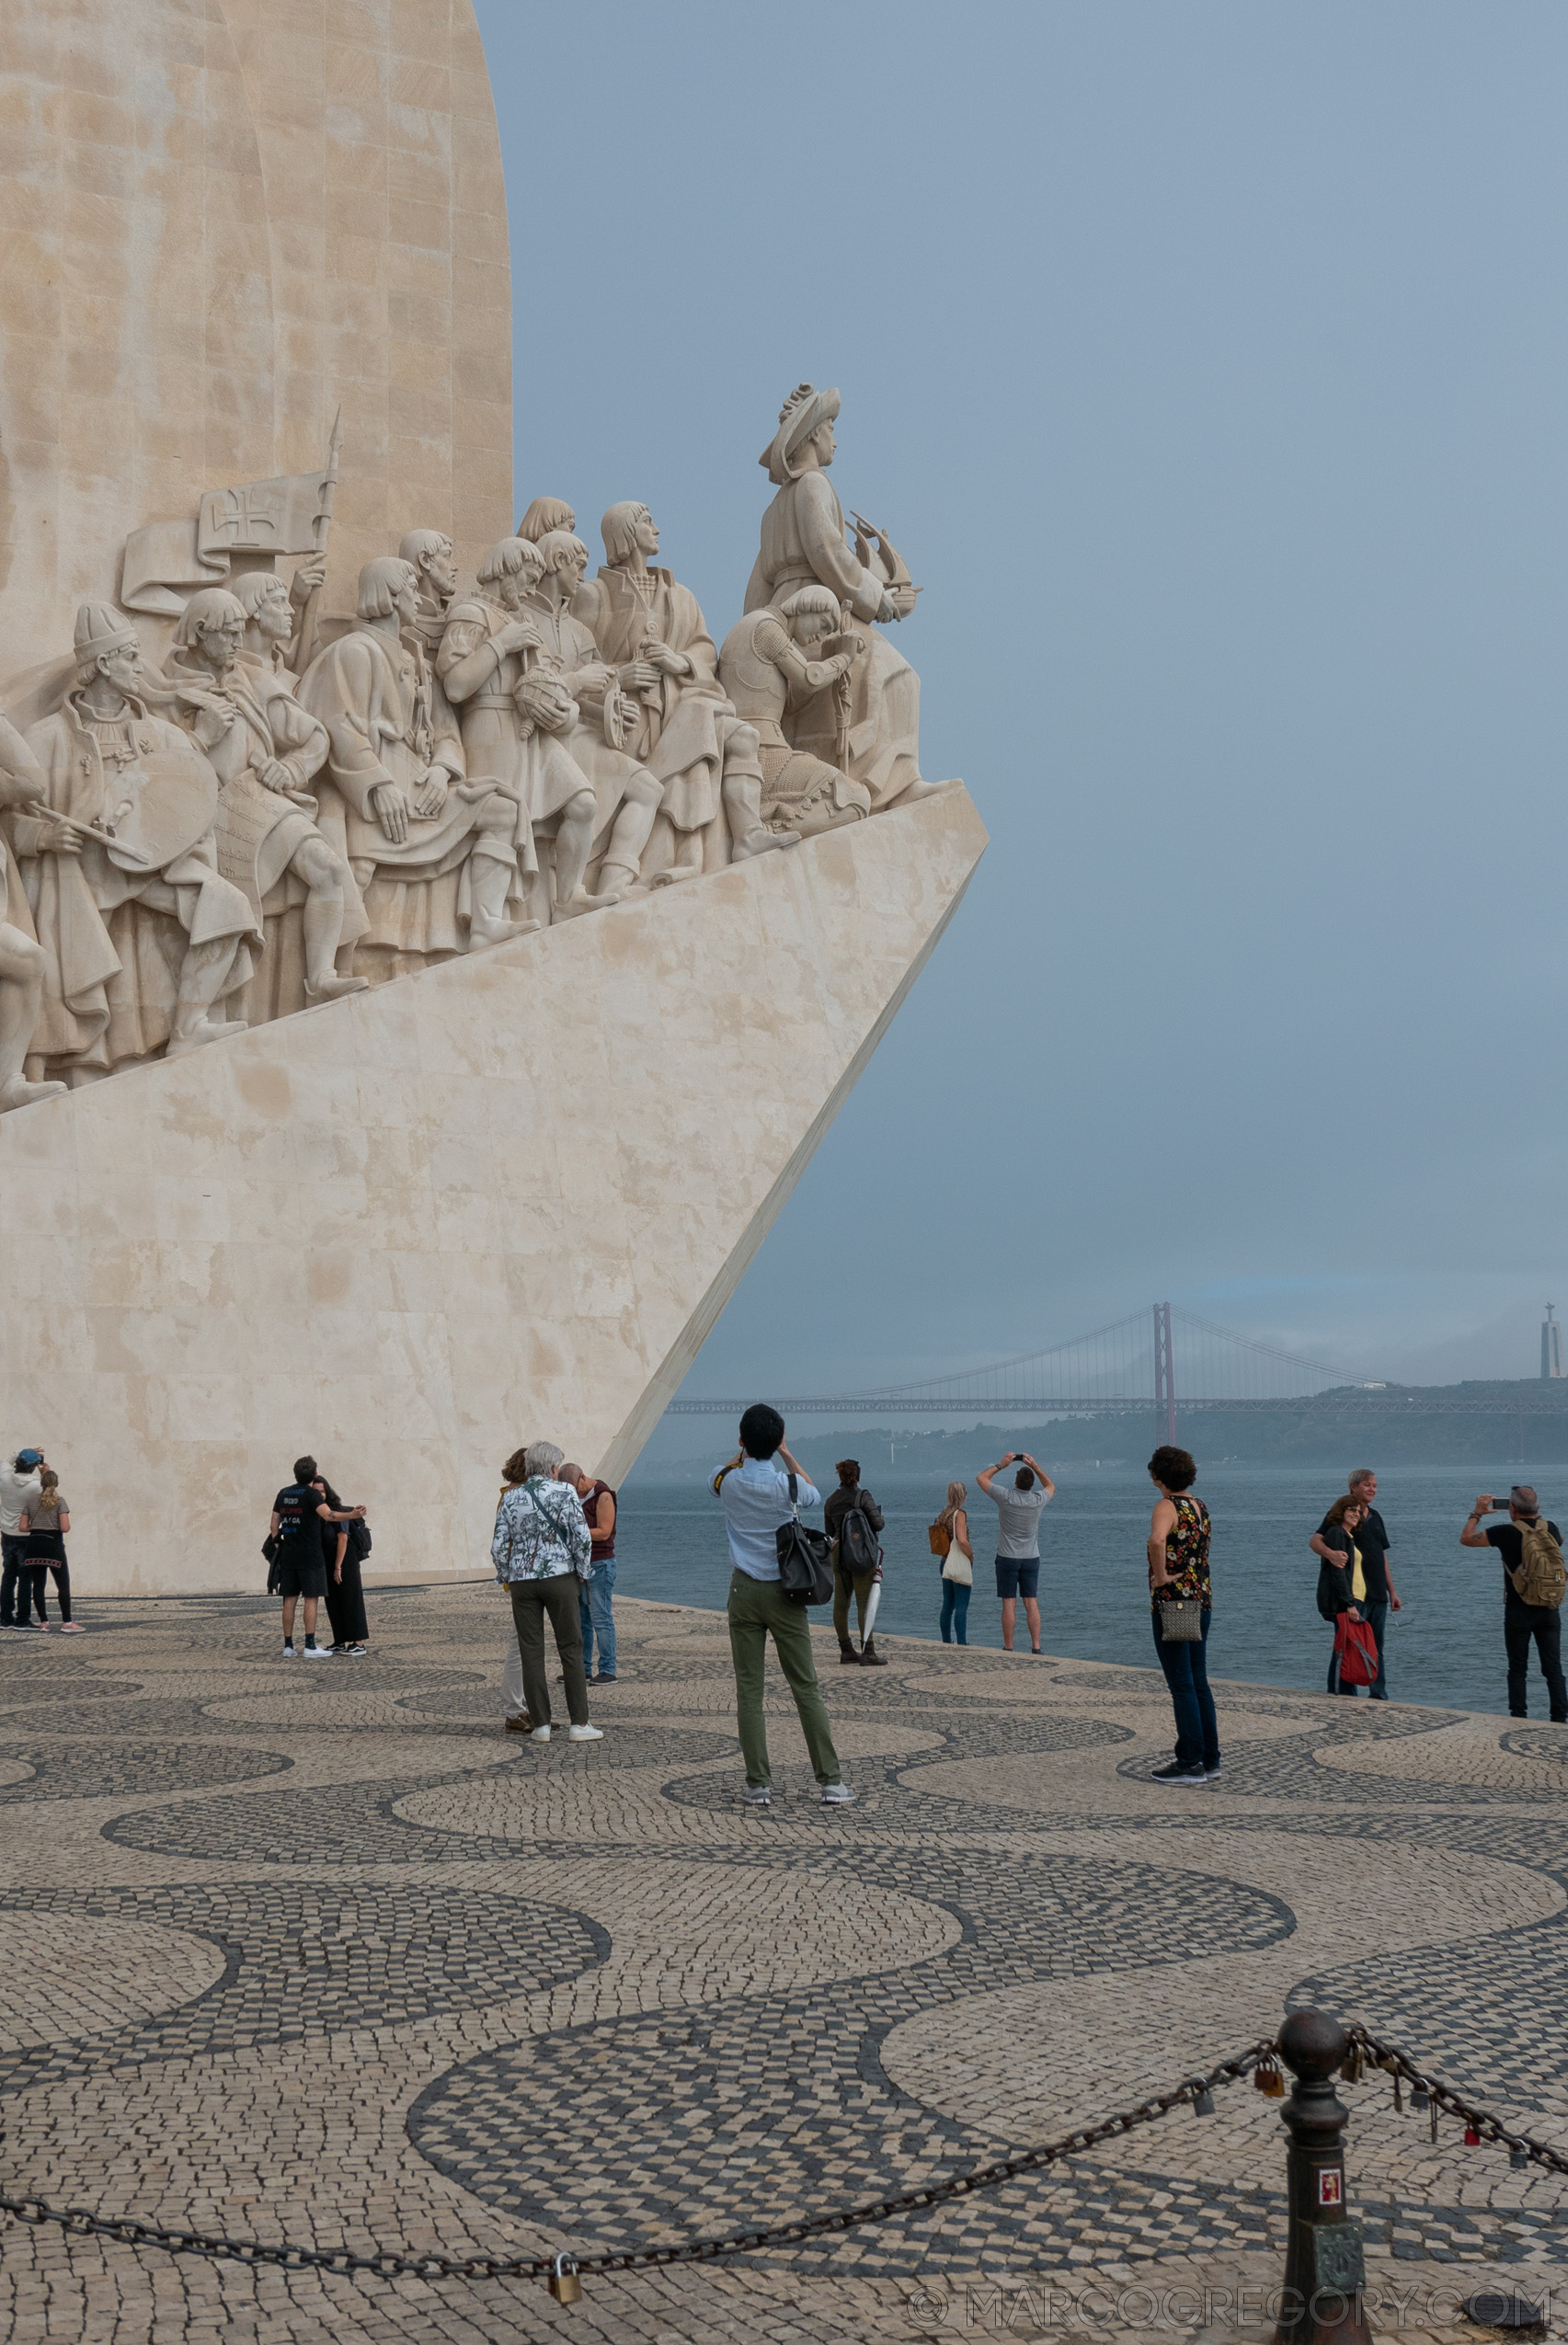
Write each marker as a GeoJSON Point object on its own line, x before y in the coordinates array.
{"type": "Point", "coordinates": [760, 1610]}
{"type": "Point", "coordinates": [863, 1584]}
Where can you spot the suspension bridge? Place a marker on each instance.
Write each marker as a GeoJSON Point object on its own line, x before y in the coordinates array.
{"type": "Point", "coordinates": [1137, 1366]}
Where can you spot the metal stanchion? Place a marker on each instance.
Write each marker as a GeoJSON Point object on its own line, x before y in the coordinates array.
{"type": "Point", "coordinates": [1325, 2270]}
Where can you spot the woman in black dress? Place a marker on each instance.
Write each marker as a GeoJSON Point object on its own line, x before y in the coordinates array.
{"type": "Point", "coordinates": [344, 1589]}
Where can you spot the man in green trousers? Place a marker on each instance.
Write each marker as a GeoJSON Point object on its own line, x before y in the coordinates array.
{"type": "Point", "coordinates": [754, 1488]}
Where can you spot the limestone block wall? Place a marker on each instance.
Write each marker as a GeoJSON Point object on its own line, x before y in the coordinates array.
{"type": "Point", "coordinates": [223, 222]}
{"type": "Point", "coordinates": [503, 1199]}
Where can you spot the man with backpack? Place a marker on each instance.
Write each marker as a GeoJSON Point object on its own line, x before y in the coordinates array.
{"type": "Point", "coordinates": [1534, 1579]}
{"type": "Point", "coordinates": [852, 1519]}
{"type": "Point", "coordinates": [758, 1501]}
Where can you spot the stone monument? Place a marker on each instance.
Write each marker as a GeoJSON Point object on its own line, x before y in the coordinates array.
{"type": "Point", "coordinates": [340, 830]}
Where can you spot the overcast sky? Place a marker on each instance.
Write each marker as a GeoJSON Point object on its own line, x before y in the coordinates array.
{"type": "Point", "coordinates": [1207, 364]}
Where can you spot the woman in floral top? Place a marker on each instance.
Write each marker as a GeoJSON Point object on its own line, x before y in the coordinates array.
{"type": "Point", "coordinates": [541, 1549]}
{"type": "Point", "coordinates": [1178, 1568]}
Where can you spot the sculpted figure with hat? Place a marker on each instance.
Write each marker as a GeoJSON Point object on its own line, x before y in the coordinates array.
{"type": "Point", "coordinates": [265, 750]}
{"type": "Point", "coordinates": [651, 630]}
{"type": "Point", "coordinates": [124, 851]}
{"type": "Point", "coordinates": [805, 543]}
{"type": "Point", "coordinates": [434, 856]}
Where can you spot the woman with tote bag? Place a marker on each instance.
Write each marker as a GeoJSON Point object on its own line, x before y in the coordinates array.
{"type": "Point", "coordinates": [950, 1539]}
{"type": "Point", "coordinates": [1182, 1605]}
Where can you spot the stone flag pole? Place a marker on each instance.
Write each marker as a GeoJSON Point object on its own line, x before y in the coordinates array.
{"type": "Point", "coordinates": [354, 833]}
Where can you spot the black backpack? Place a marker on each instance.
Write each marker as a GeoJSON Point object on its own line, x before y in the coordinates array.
{"type": "Point", "coordinates": [359, 1532]}
{"type": "Point", "coordinates": [859, 1549]}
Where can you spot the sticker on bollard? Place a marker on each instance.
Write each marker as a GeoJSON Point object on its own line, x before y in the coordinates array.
{"type": "Point", "coordinates": [1331, 2186]}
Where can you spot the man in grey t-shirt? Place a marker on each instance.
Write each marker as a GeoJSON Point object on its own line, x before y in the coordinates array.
{"type": "Point", "coordinates": [1018, 1540]}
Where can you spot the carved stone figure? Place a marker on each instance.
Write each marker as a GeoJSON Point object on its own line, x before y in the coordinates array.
{"type": "Point", "coordinates": [429, 554]}
{"type": "Point", "coordinates": [125, 854]}
{"type": "Point", "coordinates": [652, 633]}
{"type": "Point", "coordinates": [23, 965]}
{"type": "Point", "coordinates": [434, 856]}
{"type": "Point", "coordinates": [601, 720]}
{"type": "Point", "coordinates": [265, 749]}
{"type": "Point", "coordinates": [766, 667]}
{"type": "Point", "coordinates": [487, 664]}
{"type": "Point", "coordinates": [274, 614]}
{"type": "Point", "coordinates": [544, 514]}
{"type": "Point", "coordinates": [804, 543]}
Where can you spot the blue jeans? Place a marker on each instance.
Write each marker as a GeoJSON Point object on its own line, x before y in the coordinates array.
{"type": "Point", "coordinates": [955, 1611]}
{"type": "Point", "coordinates": [1375, 1612]}
{"type": "Point", "coordinates": [1186, 1674]}
{"type": "Point", "coordinates": [597, 1618]}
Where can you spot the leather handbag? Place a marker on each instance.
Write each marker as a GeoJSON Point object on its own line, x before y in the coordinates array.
{"type": "Point", "coordinates": [806, 1561]}
{"type": "Point", "coordinates": [1181, 1620]}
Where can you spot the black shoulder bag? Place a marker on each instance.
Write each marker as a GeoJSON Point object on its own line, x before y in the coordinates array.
{"type": "Point", "coordinates": [805, 1566]}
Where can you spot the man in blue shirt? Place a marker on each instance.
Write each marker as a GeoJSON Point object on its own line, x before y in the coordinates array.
{"type": "Point", "coordinates": [755, 1494]}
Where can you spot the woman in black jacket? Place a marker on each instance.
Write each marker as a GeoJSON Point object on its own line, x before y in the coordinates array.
{"type": "Point", "coordinates": [857, 1557]}
{"type": "Point", "coordinates": [1341, 1584]}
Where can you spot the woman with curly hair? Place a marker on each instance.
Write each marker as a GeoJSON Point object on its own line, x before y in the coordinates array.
{"type": "Point", "coordinates": [1178, 1580]}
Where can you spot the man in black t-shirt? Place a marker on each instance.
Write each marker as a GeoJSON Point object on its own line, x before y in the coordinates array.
{"type": "Point", "coordinates": [298, 1515]}
{"type": "Point", "coordinates": [1522, 1621]}
{"type": "Point", "coordinates": [1373, 1540]}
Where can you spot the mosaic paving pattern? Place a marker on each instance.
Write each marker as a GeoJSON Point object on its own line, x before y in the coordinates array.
{"type": "Point", "coordinates": [376, 1973]}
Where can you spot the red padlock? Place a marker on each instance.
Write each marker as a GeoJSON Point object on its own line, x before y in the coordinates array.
{"type": "Point", "coordinates": [1471, 2137]}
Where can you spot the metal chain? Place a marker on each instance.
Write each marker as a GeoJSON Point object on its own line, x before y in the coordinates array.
{"type": "Point", "coordinates": [133, 2233]}
{"type": "Point", "coordinates": [1490, 2129]}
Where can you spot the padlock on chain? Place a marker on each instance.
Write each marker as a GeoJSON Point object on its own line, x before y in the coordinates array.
{"type": "Point", "coordinates": [1268, 2079]}
{"type": "Point", "coordinates": [1473, 2139]}
{"type": "Point", "coordinates": [565, 2285]}
{"type": "Point", "coordinates": [1518, 2157]}
{"type": "Point", "coordinates": [1420, 2100]}
{"type": "Point", "coordinates": [1203, 2102]}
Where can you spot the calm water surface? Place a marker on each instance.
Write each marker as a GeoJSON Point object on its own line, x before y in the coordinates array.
{"type": "Point", "coordinates": [1445, 1647]}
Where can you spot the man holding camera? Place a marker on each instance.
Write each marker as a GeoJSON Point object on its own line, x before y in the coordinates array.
{"type": "Point", "coordinates": [1018, 1540]}
{"type": "Point", "coordinates": [1532, 1569]}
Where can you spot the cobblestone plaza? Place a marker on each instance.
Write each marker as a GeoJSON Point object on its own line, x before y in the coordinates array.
{"type": "Point", "coordinates": [322, 1955]}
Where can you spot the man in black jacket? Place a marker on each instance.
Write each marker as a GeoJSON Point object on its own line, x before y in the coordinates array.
{"type": "Point", "coordinates": [855, 1558]}
{"type": "Point", "coordinates": [1373, 1540]}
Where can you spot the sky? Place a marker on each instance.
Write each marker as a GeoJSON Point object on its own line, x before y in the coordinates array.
{"type": "Point", "coordinates": [1210, 367]}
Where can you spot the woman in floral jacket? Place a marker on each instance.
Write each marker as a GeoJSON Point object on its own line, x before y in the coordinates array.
{"type": "Point", "coordinates": [540, 1549]}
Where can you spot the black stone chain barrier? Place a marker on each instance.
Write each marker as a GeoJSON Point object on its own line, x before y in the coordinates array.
{"type": "Point", "coordinates": [1260, 2060]}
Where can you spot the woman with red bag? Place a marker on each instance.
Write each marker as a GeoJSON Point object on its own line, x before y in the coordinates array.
{"type": "Point", "coordinates": [1342, 1591]}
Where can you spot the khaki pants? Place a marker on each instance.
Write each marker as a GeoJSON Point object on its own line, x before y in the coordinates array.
{"type": "Point", "coordinates": [863, 1583]}
{"type": "Point", "coordinates": [760, 1610]}
{"type": "Point", "coordinates": [531, 1600]}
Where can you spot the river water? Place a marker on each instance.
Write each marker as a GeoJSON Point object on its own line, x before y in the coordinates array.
{"type": "Point", "coordinates": [1445, 1647]}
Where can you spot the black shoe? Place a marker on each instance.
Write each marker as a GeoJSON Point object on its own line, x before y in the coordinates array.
{"type": "Point", "coordinates": [1176, 1773]}
{"type": "Point", "coordinates": [603, 1679]}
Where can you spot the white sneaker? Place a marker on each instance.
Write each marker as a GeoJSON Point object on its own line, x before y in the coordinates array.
{"type": "Point", "coordinates": [757, 1795]}
{"type": "Point", "coordinates": [585, 1734]}
{"type": "Point", "coordinates": [289, 1653]}
{"type": "Point", "coordinates": [837, 1795]}
{"type": "Point", "coordinates": [540, 1734]}
{"type": "Point", "coordinates": [72, 1628]}
{"type": "Point", "coordinates": [318, 1652]}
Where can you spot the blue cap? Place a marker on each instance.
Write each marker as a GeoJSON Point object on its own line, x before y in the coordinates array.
{"type": "Point", "coordinates": [30, 1456]}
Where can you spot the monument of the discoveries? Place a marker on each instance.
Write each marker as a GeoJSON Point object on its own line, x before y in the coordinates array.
{"type": "Point", "coordinates": [357, 830]}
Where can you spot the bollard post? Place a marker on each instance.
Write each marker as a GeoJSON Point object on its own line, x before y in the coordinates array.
{"type": "Point", "coordinates": [1324, 2270]}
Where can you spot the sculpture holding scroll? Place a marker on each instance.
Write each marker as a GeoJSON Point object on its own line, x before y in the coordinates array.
{"type": "Point", "coordinates": [433, 854]}
{"type": "Point", "coordinates": [601, 721]}
{"type": "Point", "coordinates": [265, 750]}
{"type": "Point", "coordinates": [489, 669]}
{"type": "Point", "coordinates": [805, 543]}
{"type": "Point", "coordinates": [651, 630]}
{"type": "Point", "coordinates": [768, 668]}
{"type": "Point", "coordinates": [144, 941]}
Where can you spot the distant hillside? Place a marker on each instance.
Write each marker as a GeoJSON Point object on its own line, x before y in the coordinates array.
{"type": "Point", "coordinates": [1399, 1425]}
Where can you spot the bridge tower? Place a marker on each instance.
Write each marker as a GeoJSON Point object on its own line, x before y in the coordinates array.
{"type": "Point", "coordinates": [1164, 1376]}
